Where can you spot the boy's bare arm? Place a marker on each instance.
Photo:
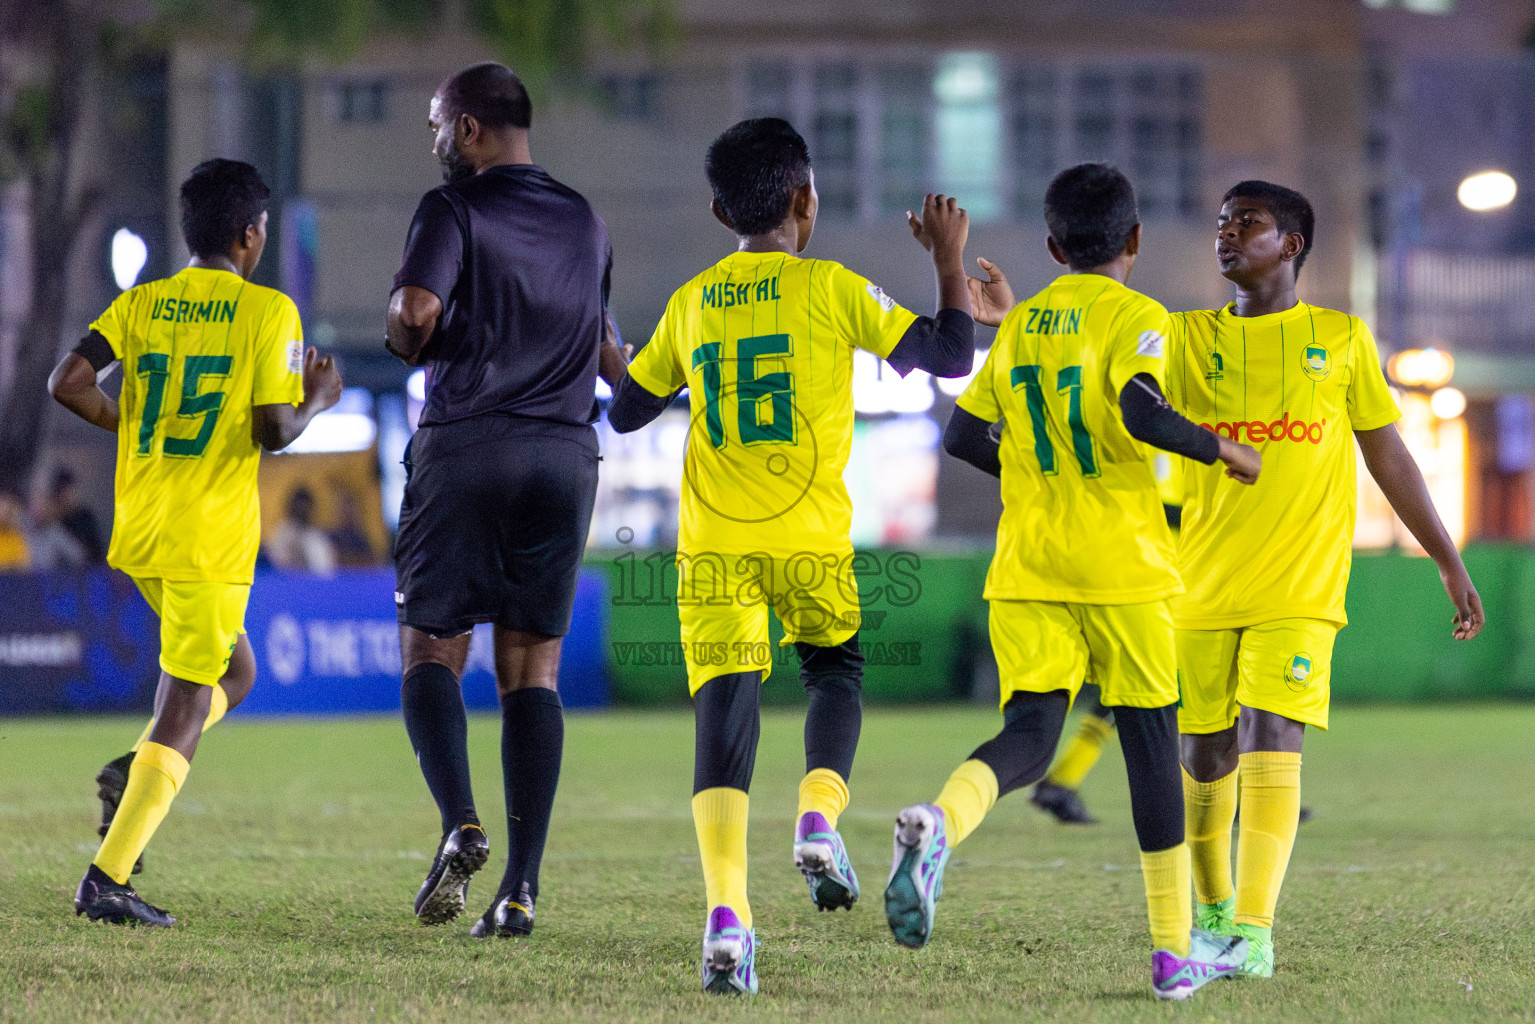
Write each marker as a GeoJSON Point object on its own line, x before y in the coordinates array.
{"type": "Point", "coordinates": [274, 427]}
{"type": "Point", "coordinates": [1393, 468]}
{"type": "Point", "coordinates": [73, 385]}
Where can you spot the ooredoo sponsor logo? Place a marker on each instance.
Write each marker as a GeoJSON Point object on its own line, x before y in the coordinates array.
{"type": "Point", "coordinates": [1258, 431]}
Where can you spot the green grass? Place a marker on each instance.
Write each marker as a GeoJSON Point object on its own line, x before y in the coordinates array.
{"type": "Point", "coordinates": [294, 852]}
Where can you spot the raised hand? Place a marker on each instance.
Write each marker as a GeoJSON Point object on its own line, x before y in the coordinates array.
{"type": "Point", "coordinates": [943, 227]}
{"type": "Point", "coordinates": [322, 381]}
{"type": "Point", "coordinates": [991, 299]}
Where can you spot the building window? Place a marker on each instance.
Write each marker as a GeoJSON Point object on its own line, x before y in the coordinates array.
{"type": "Point", "coordinates": [905, 136]}
{"type": "Point", "coordinates": [362, 102]}
{"type": "Point", "coordinates": [969, 132]}
{"type": "Point", "coordinates": [1035, 134]}
{"type": "Point", "coordinates": [630, 97]}
{"type": "Point", "coordinates": [991, 131]}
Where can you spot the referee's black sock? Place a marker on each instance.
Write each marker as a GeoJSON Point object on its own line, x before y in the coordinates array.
{"type": "Point", "coordinates": [532, 743]}
{"type": "Point", "coordinates": [439, 733]}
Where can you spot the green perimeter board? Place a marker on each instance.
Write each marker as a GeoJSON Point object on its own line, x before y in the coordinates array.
{"type": "Point", "coordinates": [925, 631]}
{"type": "Point", "coordinates": [924, 625]}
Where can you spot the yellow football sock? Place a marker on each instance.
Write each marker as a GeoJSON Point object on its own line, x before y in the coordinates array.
{"type": "Point", "coordinates": [1167, 898]}
{"type": "Point", "coordinates": [153, 782]}
{"type": "Point", "coordinates": [966, 798]}
{"type": "Point", "coordinates": [1270, 816]}
{"type": "Point", "coordinates": [1209, 808]}
{"type": "Point", "coordinates": [719, 818]}
{"type": "Point", "coordinates": [217, 707]}
{"type": "Point", "coordinates": [1081, 753]}
{"type": "Point", "coordinates": [216, 710]}
{"type": "Point", "coordinates": [823, 790]}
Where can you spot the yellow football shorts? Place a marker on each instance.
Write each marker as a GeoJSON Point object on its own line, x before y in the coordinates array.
{"type": "Point", "coordinates": [723, 602]}
{"type": "Point", "coordinates": [1284, 667]}
{"type": "Point", "coordinates": [1127, 649]}
{"type": "Point", "coordinates": [200, 623]}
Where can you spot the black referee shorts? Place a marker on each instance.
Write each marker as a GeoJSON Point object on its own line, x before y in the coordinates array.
{"type": "Point", "coordinates": [494, 524]}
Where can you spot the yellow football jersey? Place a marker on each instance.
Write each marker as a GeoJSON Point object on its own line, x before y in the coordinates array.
{"type": "Point", "coordinates": [764, 342]}
{"type": "Point", "coordinates": [1295, 385]}
{"type": "Point", "coordinates": [1081, 519]}
{"type": "Point", "coordinates": [198, 352]}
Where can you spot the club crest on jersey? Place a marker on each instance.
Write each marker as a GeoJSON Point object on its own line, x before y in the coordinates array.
{"type": "Point", "coordinates": [878, 295]}
{"type": "Point", "coordinates": [1298, 672]}
{"type": "Point", "coordinates": [1315, 362]}
{"type": "Point", "coordinates": [1217, 370]}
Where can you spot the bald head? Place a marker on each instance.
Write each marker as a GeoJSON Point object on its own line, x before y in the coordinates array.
{"type": "Point", "coordinates": [490, 93]}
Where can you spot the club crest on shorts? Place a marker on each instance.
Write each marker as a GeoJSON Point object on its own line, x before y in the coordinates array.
{"type": "Point", "coordinates": [1316, 362]}
{"type": "Point", "coordinates": [1298, 672]}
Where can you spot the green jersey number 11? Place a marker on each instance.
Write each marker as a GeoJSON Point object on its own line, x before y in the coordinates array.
{"type": "Point", "coordinates": [1067, 382]}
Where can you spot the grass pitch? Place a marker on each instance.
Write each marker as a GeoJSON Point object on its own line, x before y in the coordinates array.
{"type": "Point", "coordinates": [294, 852]}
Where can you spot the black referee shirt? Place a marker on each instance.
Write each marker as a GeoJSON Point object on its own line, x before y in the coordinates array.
{"type": "Point", "coordinates": [521, 264]}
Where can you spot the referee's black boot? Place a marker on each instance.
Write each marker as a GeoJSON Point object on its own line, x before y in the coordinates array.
{"type": "Point", "coordinates": [507, 916]}
{"type": "Point", "coordinates": [1063, 804]}
{"type": "Point", "coordinates": [101, 899]}
{"type": "Point", "coordinates": [463, 852]}
{"type": "Point", "coordinates": [110, 783]}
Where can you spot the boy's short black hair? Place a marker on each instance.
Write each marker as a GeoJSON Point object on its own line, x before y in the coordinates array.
{"type": "Point", "coordinates": [219, 200]}
{"type": "Point", "coordinates": [1090, 210]}
{"type": "Point", "coordinates": [754, 167]}
{"type": "Point", "coordinates": [491, 93]}
{"type": "Point", "coordinates": [1291, 211]}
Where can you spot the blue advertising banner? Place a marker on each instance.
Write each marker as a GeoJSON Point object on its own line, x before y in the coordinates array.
{"type": "Point", "coordinates": [74, 642]}
{"type": "Point", "coordinates": [332, 645]}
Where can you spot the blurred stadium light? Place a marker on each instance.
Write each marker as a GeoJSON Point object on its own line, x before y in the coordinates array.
{"type": "Point", "coordinates": [348, 426]}
{"type": "Point", "coordinates": [1489, 190]}
{"type": "Point", "coordinates": [129, 254]}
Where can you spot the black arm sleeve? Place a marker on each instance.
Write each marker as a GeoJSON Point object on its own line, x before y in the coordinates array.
{"type": "Point", "coordinates": [1149, 418]}
{"type": "Point", "coordinates": [969, 438]}
{"type": "Point", "coordinates": [943, 345]}
{"type": "Point", "coordinates": [96, 350]}
{"type": "Point", "coordinates": [633, 406]}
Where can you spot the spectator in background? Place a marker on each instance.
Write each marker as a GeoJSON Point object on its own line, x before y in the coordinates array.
{"type": "Point", "coordinates": [349, 539]}
{"type": "Point", "coordinates": [15, 554]}
{"type": "Point", "coordinates": [75, 516]}
{"type": "Point", "coordinates": [51, 545]}
{"type": "Point", "coordinates": [64, 532]}
{"type": "Point", "coordinates": [298, 543]}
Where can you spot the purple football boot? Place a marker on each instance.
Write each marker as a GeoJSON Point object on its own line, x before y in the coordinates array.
{"type": "Point", "coordinates": [1210, 957]}
{"type": "Point", "coordinates": [821, 857]}
{"type": "Point", "coordinates": [916, 874]}
{"type": "Point", "coordinates": [730, 955]}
